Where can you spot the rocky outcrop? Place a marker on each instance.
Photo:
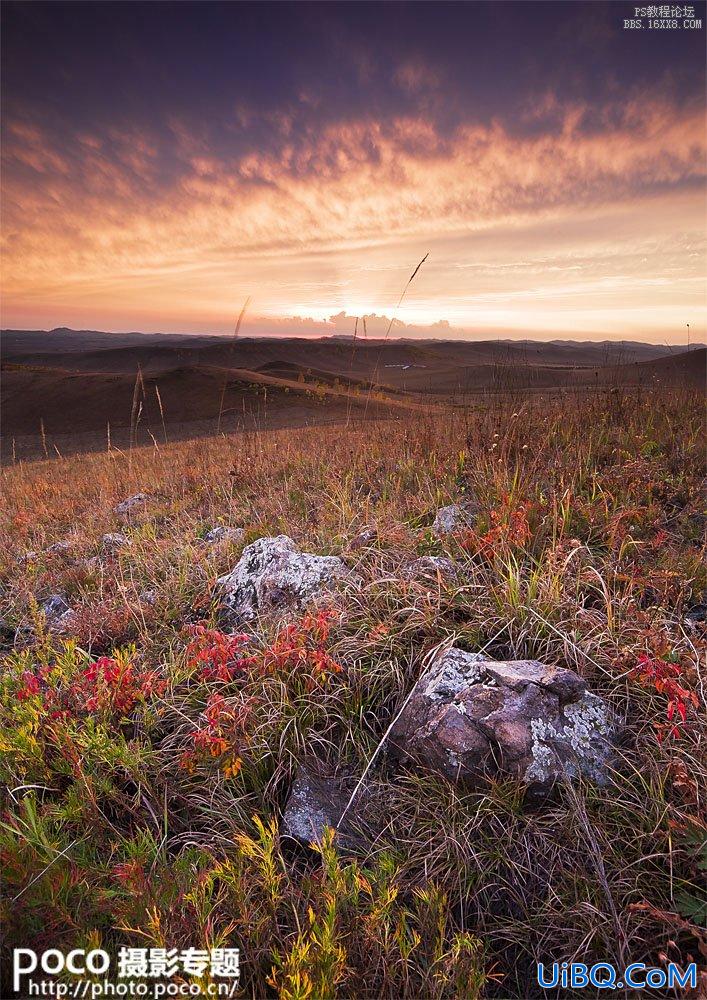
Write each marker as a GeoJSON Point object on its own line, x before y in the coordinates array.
{"type": "Point", "coordinates": [471, 719]}
{"type": "Point", "coordinates": [273, 576]}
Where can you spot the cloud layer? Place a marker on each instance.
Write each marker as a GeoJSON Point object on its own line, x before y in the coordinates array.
{"type": "Point", "coordinates": [563, 214]}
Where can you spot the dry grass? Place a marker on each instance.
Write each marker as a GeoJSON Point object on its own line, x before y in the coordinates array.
{"type": "Point", "coordinates": [461, 893]}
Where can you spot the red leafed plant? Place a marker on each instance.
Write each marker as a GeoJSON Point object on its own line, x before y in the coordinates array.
{"type": "Point", "coordinates": [300, 647]}
{"type": "Point", "coordinates": [114, 687]}
{"type": "Point", "coordinates": [215, 655]}
{"type": "Point", "coordinates": [664, 678]}
{"type": "Point", "coordinates": [509, 528]}
{"type": "Point", "coordinates": [299, 651]}
{"type": "Point", "coordinates": [223, 735]}
{"type": "Point", "coordinates": [109, 687]}
{"type": "Point", "coordinates": [131, 874]}
{"type": "Point", "coordinates": [30, 686]}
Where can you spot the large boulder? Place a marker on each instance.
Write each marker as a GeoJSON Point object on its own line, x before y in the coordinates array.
{"type": "Point", "coordinates": [472, 719]}
{"type": "Point", "coordinates": [272, 575]}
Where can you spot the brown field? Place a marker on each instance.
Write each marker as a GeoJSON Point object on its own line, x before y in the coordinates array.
{"type": "Point", "coordinates": [64, 392]}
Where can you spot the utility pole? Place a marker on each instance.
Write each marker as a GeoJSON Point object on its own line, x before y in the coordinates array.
{"type": "Point", "coordinates": [688, 336]}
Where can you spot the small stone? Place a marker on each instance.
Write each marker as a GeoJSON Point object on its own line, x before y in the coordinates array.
{"type": "Point", "coordinates": [315, 803]}
{"type": "Point", "coordinates": [224, 534]}
{"type": "Point", "coordinates": [431, 567]}
{"type": "Point", "coordinates": [273, 576]}
{"type": "Point", "coordinates": [697, 613]}
{"type": "Point", "coordinates": [125, 506]}
{"type": "Point", "coordinates": [56, 612]}
{"type": "Point", "coordinates": [58, 547]}
{"type": "Point", "coordinates": [7, 634]}
{"type": "Point", "coordinates": [363, 538]}
{"type": "Point", "coordinates": [452, 518]}
{"type": "Point", "coordinates": [113, 541]}
{"type": "Point", "coordinates": [148, 597]}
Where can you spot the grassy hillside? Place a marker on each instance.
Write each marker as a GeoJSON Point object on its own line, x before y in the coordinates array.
{"type": "Point", "coordinates": [146, 790]}
{"type": "Point", "coordinates": [59, 400]}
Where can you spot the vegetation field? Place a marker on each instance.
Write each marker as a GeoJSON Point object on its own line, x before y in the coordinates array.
{"type": "Point", "coordinates": [148, 752]}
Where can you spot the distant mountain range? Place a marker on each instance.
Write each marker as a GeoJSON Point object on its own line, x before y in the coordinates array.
{"type": "Point", "coordinates": [589, 352]}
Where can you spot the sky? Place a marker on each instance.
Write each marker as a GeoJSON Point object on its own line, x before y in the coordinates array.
{"type": "Point", "coordinates": [163, 162]}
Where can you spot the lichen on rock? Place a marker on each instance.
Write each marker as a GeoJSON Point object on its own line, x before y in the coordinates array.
{"type": "Point", "coordinates": [273, 575]}
{"type": "Point", "coordinates": [585, 736]}
{"type": "Point", "coordinates": [473, 718]}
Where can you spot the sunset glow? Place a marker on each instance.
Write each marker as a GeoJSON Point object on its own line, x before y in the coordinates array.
{"type": "Point", "coordinates": [554, 202]}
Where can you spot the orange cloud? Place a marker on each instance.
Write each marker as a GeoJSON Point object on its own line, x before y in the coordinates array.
{"type": "Point", "coordinates": [109, 230]}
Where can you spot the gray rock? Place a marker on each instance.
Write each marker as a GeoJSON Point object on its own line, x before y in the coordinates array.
{"type": "Point", "coordinates": [57, 612]}
{"type": "Point", "coordinates": [224, 534]}
{"type": "Point", "coordinates": [273, 575]}
{"type": "Point", "coordinates": [113, 541]}
{"type": "Point", "coordinates": [125, 506]}
{"type": "Point", "coordinates": [471, 719]}
{"type": "Point", "coordinates": [148, 597]}
{"type": "Point", "coordinates": [452, 518]}
{"type": "Point", "coordinates": [315, 803]}
{"type": "Point", "coordinates": [431, 567]}
{"type": "Point", "coordinates": [58, 547]}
